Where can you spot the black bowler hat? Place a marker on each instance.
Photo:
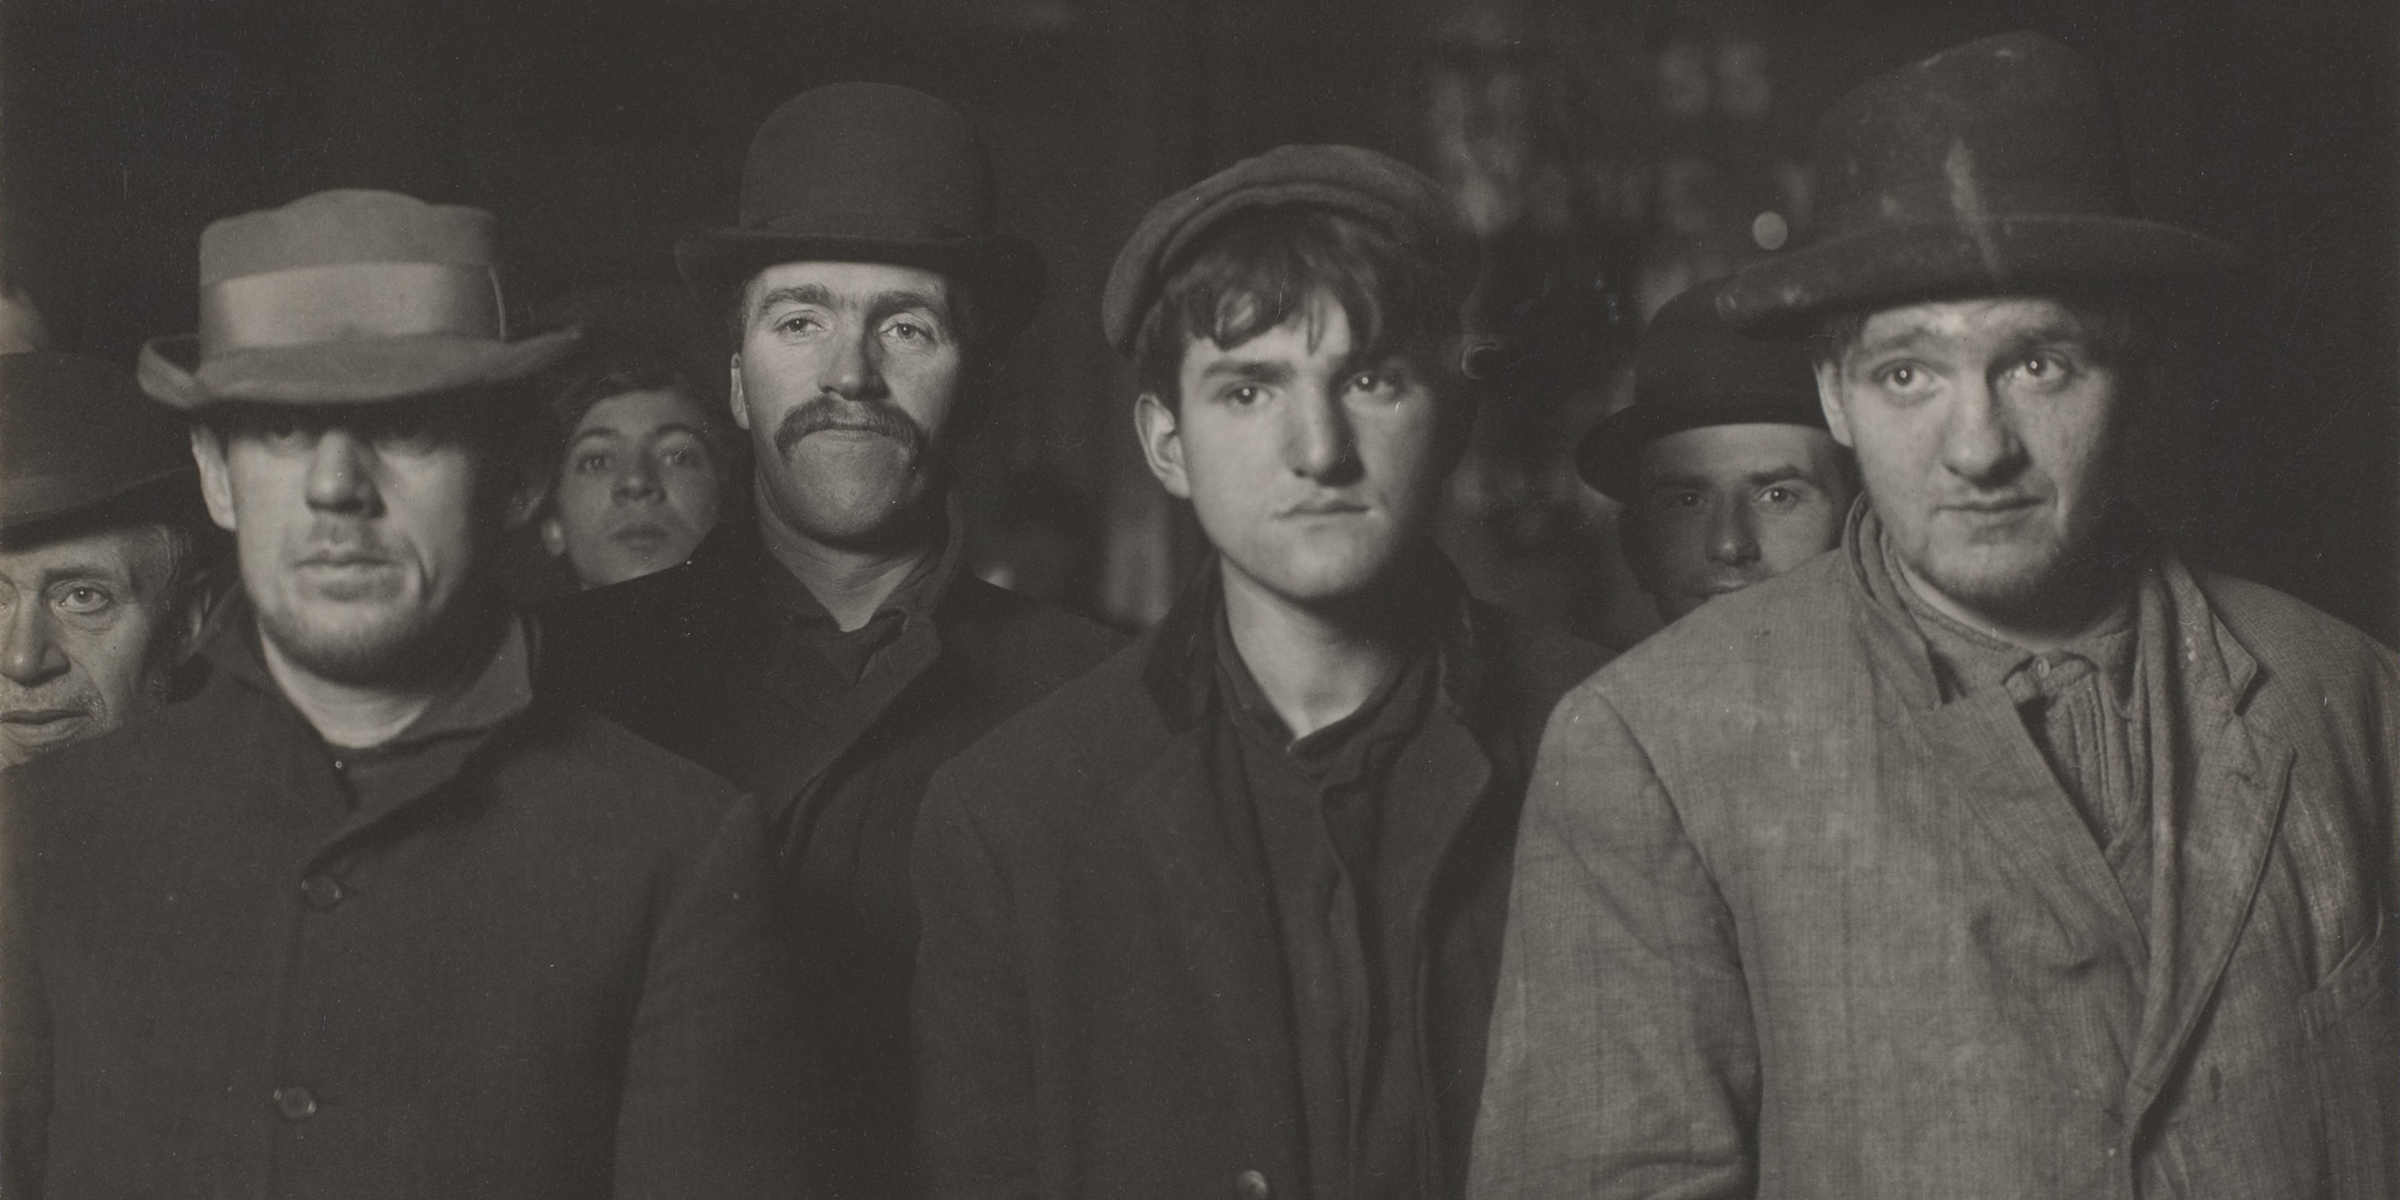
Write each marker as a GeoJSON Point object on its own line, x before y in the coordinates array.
{"type": "Point", "coordinates": [1991, 167]}
{"type": "Point", "coordinates": [1690, 370]}
{"type": "Point", "coordinates": [79, 443]}
{"type": "Point", "coordinates": [869, 172]}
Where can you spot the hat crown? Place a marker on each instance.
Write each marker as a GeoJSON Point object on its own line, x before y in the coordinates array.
{"type": "Point", "coordinates": [349, 225]}
{"type": "Point", "coordinates": [868, 159]}
{"type": "Point", "coordinates": [1689, 360]}
{"type": "Point", "coordinates": [2013, 124]}
{"type": "Point", "coordinates": [76, 431]}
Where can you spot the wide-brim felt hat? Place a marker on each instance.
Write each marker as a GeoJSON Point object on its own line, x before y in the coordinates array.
{"type": "Point", "coordinates": [346, 297]}
{"type": "Point", "coordinates": [1690, 369]}
{"type": "Point", "coordinates": [1363, 183]}
{"type": "Point", "coordinates": [1995, 167]}
{"type": "Point", "coordinates": [870, 172]}
{"type": "Point", "coordinates": [79, 443]}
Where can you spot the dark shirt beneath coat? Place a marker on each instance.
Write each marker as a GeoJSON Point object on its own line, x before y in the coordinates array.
{"type": "Point", "coordinates": [1168, 952]}
{"type": "Point", "coordinates": [512, 952]}
{"type": "Point", "coordinates": [729, 661]}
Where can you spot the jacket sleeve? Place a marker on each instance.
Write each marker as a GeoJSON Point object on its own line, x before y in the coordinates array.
{"type": "Point", "coordinates": [1622, 1061]}
{"type": "Point", "coordinates": [977, 1126]}
{"type": "Point", "coordinates": [24, 1030]}
{"type": "Point", "coordinates": [715, 1079]}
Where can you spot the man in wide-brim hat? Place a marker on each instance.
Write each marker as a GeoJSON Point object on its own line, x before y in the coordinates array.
{"type": "Point", "coordinates": [1722, 462]}
{"type": "Point", "coordinates": [1999, 853]}
{"type": "Point", "coordinates": [369, 913]}
{"type": "Point", "coordinates": [103, 558]}
{"type": "Point", "coordinates": [830, 654]}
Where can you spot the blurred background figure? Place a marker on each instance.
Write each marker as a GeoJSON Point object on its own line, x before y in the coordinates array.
{"type": "Point", "coordinates": [1723, 463]}
{"type": "Point", "coordinates": [102, 592]}
{"type": "Point", "coordinates": [21, 325]}
{"type": "Point", "coordinates": [644, 465]}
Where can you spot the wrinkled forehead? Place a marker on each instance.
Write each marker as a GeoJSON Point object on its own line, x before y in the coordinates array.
{"type": "Point", "coordinates": [641, 412]}
{"type": "Point", "coordinates": [131, 552]}
{"type": "Point", "coordinates": [1968, 324]}
{"type": "Point", "coordinates": [848, 285]}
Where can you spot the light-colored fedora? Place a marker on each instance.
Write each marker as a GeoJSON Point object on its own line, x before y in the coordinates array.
{"type": "Point", "coordinates": [346, 297]}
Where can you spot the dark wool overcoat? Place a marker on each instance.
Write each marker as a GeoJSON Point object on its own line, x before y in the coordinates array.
{"type": "Point", "coordinates": [697, 660]}
{"type": "Point", "coordinates": [1789, 923]}
{"type": "Point", "coordinates": [553, 974]}
{"type": "Point", "coordinates": [1102, 1003]}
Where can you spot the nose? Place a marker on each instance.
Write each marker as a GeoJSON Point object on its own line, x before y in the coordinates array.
{"type": "Point", "coordinates": [1979, 441]}
{"type": "Point", "coordinates": [30, 655]}
{"type": "Point", "coordinates": [856, 372]}
{"type": "Point", "coordinates": [1732, 534]}
{"type": "Point", "coordinates": [1318, 440]}
{"type": "Point", "coordinates": [340, 474]}
{"type": "Point", "coordinates": [638, 481]}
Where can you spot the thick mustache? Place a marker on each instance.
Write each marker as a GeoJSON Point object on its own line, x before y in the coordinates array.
{"type": "Point", "coordinates": [833, 412]}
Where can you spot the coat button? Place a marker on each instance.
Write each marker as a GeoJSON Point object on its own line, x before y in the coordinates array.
{"type": "Point", "coordinates": [295, 1103]}
{"type": "Point", "coordinates": [1252, 1185]}
{"type": "Point", "coordinates": [321, 891]}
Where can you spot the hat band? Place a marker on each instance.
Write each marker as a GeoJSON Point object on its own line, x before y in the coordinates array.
{"type": "Point", "coordinates": [301, 306]}
{"type": "Point", "coordinates": [1965, 199]}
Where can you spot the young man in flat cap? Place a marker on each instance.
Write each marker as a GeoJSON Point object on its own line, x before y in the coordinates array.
{"type": "Point", "coordinates": [1998, 853]}
{"type": "Point", "coordinates": [828, 657]}
{"type": "Point", "coordinates": [1222, 916]}
{"type": "Point", "coordinates": [1722, 462]}
{"type": "Point", "coordinates": [102, 562]}
{"type": "Point", "coordinates": [368, 915]}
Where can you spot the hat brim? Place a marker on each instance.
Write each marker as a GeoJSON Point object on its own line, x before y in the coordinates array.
{"type": "Point", "coordinates": [1783, 296]}
{"type": "Point", "coordinates": [361, 371]}
{"type": "Point", "coordinates": [1005, 272]}
{"type": "Point", "coordinates": [35, 511]}
{"type": "Point", "coordinates": [1608, 455]}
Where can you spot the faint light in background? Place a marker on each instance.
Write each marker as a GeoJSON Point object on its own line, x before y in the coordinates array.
{"type": "Point", "coordinates": [1769, 231]}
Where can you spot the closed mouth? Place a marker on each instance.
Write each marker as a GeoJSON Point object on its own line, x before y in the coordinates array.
{"type": "Point", "coordinates": [2002, 504]}
{"type": "Point", "coordinates": [38, 717]}
{"type": "Point", "coordinates": [1325, 508]}
{"type": "Point", "coordinates": [641, 536]}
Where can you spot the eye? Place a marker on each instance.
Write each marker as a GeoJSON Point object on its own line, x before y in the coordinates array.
{"type": "Point", "coordinates": [1672, 499]}
{"type": "Point", "coordinates": [1243, 395]}
{"type": "Point", "coordinates": [1781, 496]}
{"type": "Point", "coordinates": [1905, 380]}
{"type": "Point", "coordinates": [282, 431]}
{"type": "Point", "coordinates": [797, 322]}
{"type": "Point", "coordinates": [407, 433]}
{"type": "Point", "coordinates": [83, 599]}
{"type": "Point", "coordinates": [594, 462]}
{"type": "Point", "coordinates": [2047, 370]}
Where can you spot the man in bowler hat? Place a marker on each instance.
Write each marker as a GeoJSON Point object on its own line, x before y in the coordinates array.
{"type": "Point", "coordinates": [1722, 462]}
{"type": "Point", "coordinates": [370, 915]}
{"type": "Point", "coordinates": [103, 566]}
{"type": "Point", "coordinates": [830, 655]}
{"type": "Point", "coordinates": [1999, 853]}
{"type": "Point", "coordinates": [1222, 916]}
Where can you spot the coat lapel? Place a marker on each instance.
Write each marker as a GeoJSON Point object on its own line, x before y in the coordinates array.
{"type": "Point", "coordinates": [2212, 855]}
{"type": "Point", "coordinates": [1213, 878]}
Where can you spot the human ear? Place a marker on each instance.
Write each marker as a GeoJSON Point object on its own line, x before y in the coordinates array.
{"type": "Point", "coordinates": [554, 537]}
{"type": "Point", "coordinates": [734, 399]}
{"type": "Point", "coordinates": [1829, 397]}
{"type": "Point", "coordinates": [216, 483]}
{"type": "Point", "coordinates": [1162, 444]}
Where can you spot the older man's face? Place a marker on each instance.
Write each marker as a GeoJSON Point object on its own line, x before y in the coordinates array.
{"type": "Point", "coordinates": [847, 379]}
{"type": "Point", "coordinates": [358, 531]}
{"type": "Point", "coordinates": [93, 634]}
{"type": "Point", "coordinates": [1986, 432]}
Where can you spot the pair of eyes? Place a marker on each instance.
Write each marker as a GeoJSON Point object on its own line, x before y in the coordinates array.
{"type": "Point", "coordinates": [597, 462]}
{"type": "Point", "coordinates": [400, 437]}
{"type": "Point", "coordinates": [2043, 370]}
{"type": "Point", "coordinates": [906, 329]}
{"type": "Point", "coordinates": [1375, 385]}
{"type": "Point", "coordinates": [1775, 497]}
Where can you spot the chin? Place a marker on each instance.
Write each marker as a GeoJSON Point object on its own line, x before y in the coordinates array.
{"type": "Point", "coordinates": [361, 649]}
{"type": "Point", "coordinates": [1314, 576]}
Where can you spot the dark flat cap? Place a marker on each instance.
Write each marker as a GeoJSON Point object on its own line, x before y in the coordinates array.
{"type": "Point", "coordinates": [79, 439]}
{"type": "Point", "coordinates": [1352, 179]}
{"type": "Point", "coordinates": [1690, 370]}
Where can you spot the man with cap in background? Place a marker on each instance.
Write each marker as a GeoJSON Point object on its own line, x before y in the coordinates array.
{"type": "Point", "coordinates": [1999, 853]}
{"type": "Point", "coordinates": [1222, 916]}
{"type": "Point", "coordinates": [1722, 462]}
{"type": "Point", "coordinates": [830, 655]}
{"type": "Point", "coordinates": [102, 564]}
{"type": "Point", "coordinates": [369, 915]}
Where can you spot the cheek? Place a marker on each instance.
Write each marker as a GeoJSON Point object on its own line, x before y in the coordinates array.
{"type": "Point", "coordinates": [926, 389]}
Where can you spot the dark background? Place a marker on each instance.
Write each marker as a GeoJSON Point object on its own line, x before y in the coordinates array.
{"type": "Point", "coordinates": [1609, 152]}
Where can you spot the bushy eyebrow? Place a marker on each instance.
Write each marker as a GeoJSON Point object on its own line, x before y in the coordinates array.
{"type": "Point", "coordinates": [877, 306]}
{"type": "Point", "coordinates": [1249, 369]}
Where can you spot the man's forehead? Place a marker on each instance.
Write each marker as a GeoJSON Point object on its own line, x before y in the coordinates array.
{"type": "Point", "coordinates": [1315, 331]}
{"type": "Point", "coordinates": [1735, 453]}
{"type": "Point", "coordinates": [113, 551]}
{"type": "Point", "coordinates": [1979, 318]}
{"type": "Point", "coordinates": [850, 282]}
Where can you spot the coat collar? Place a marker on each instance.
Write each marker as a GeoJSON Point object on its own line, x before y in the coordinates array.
{"type": "Point", "coordinates": [1179, 668]}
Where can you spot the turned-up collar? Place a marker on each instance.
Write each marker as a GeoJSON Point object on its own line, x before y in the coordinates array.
{"type": "Point", "coordinates": [1181, 672]}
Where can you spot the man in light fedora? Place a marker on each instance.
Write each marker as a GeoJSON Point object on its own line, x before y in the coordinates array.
{"type": "Point", "coordinates": [103, 564]}
{"type": "Point", "coordinates": [1999, 853]}
{"type": "Point", "coordinates": [828, 656]}
{"type": "Point", "coordinates": [1722, 462]}
{"type": "Point", "coordinates": [370, 915]}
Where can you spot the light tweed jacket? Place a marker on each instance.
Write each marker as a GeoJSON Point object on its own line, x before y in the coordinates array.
{"type": "Point", "coordinates": [1786, 925]}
